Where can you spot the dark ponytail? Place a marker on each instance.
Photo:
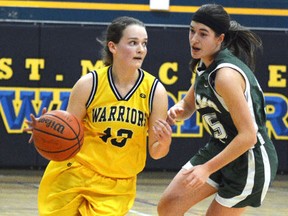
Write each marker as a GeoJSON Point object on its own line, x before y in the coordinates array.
{"type": "Point", "coordinates": [243, 43]}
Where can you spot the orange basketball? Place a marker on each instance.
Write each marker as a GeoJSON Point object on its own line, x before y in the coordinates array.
{"type": "Point", "coordinates": [58, 135]}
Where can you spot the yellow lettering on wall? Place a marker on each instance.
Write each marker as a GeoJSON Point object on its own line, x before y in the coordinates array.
{"type": "Point", "coordinates": [275, 78]}
{"type": "Point", "coordinates": [6, 71]}
{"type": "Point", "coordinates": [87, 66]}
{"type": "Point", "coordinates": [164, 70]}
{"type": "Point", "coordinates": [34, 65]}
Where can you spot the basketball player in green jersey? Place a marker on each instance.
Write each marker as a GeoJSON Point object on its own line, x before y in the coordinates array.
{"type": "Point", "coordinates": [239, 162]}
{"type": "Point", "coordinates": [119, 105]}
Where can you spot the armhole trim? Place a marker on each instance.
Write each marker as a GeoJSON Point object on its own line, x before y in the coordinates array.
{"type": "Point", "coordinates": [94, 88]}
{"type": "Point", "coordinates": [152, 93]}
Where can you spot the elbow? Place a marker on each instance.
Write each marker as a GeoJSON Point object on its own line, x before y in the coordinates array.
{"type": "Point", "coordinates": [252, 138]}
{"type": "Point", "coordinates": [159, 153]}
{"type": "Point", "coordinates": [255, 139]}
{"type": "Point", "coordinates": [157, 156]}
{"type": "Point", "coordinates": [158, 150]}
{"type": "Point", "coordinates": [248, 138]}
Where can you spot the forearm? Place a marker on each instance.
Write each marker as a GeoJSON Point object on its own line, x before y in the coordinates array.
{"type": "Point", "coordinates": [238, 146]}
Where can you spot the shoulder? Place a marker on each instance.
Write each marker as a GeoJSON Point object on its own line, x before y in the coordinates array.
{"type": "Point", "coordinates": [158, 86]}
{"type": "Point", "coordinates": [100, 71]}
{"type": "Point", "coordinates": [82, 88]}
{"type": "Point", "coordinates": [147, 74]}
{"type": "Point", "coordinates": [157, 89]}
{"type": "Point", "coordinates": [85, 79]}
{"type": "Point", "coordinates": [225, 56]}
{"type": "Point", "coordinates": [148, 80]}
{"type": "Point", "coordinates": [228, 79]}
{"type": "Point", "coordinates": [93, 76]}
{"type": "Point", "coordinates": [89, 81]}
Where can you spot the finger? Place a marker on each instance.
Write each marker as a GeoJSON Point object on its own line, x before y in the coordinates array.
{"type": "Point", "coordinates": [29, 123]}
{"type": "Point", "coordinates": [166, 124]}
{"type": "Point", "coordinates": [188, 171]}
{"type": "Point", "coordinates": [157, 131]}
{"type": "Point", "coordinates": [44, 110]}
{"type": "Point", "coordinates": [172, 113]}
{"type": "Point", "coordinates": [31, 139]}
{"type": "Point", "coordinates": [162, 127]}
{"type": "Point", "coordinates": [179, 110]}
{"type": "Point", "coordinates": [33, 119]}
{"type": "Point", "coordinates": [194, 184]}
{"type": "Point", "coordinates": [166, 128]}
{"type": "Point", "coordinates": [27, 129]}
{"type": "Point", "coordinates": [162, 124]}
{"type": "Point", "coordinates": [170, 121]}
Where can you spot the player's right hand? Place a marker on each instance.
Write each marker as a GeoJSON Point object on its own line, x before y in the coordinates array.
{"type": "Point", "coordinates": [32, 123]}
{"type": "Point", "coordinates": [173, 113]}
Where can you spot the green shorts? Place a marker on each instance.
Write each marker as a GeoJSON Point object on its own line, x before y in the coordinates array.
{"type": "Point", "coordinates": [244, 181]}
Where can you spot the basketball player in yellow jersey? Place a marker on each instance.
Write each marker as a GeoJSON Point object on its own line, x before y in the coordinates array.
{"type": "Point", "coordinates": [121, 124]}
{"type": "Point", "coordinates": [119, 105]}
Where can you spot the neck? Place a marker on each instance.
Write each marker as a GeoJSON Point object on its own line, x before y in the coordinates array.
{"type": "Point", "coordinates": [124, 76]}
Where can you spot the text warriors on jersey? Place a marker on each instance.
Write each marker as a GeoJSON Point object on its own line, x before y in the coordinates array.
{"type": "Point", "coordinates": [119, 114]}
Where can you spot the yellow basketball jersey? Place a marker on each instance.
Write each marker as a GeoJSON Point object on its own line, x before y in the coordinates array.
{"type": "Point", "coordinates": [116, 127]}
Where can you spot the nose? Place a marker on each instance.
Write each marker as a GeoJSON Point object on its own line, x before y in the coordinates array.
{"type": "Point", "coordinates": [141, 48]}
{"type": "Point", "coordinates": [193, 38]}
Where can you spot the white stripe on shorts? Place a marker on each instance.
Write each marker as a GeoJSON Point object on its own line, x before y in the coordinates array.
{"type": "Point", "coordinates": [267, 172]}
{"type": "Point", "coordinates": [247, 190]}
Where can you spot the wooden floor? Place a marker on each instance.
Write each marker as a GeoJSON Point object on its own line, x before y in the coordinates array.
{"type": "Point", "coordinates": [18, 195]}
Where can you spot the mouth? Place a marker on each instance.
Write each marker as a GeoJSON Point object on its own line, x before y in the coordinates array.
{"type": "Point", "coordinates": [195, 52]}
{"type": "Point", "coordinates": [138, 58]}
{"type": "Point", "coordinates": [195, 48]}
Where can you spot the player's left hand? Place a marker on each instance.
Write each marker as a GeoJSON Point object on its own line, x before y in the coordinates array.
{"type": "Point", "coordinates": [162, 131]}
{"type": "Point", "coordinates": [196, 176]}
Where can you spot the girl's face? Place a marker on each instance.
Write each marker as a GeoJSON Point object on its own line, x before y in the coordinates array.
{"type": "Point", "coordinates": [203, 42]}
{"type": "Point", "coordinates": [132, 47]}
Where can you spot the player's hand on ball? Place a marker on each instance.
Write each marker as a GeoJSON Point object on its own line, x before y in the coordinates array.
{"type": "Point", "coordinates": [57, 135]}
{"type": "Point", "coordinates": [32, 123]}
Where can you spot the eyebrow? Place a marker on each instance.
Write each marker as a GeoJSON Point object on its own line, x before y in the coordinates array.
{"type": "Point", "coordinates": [201, 29]}
{"type": "Point", "coordinates": [136, 38]}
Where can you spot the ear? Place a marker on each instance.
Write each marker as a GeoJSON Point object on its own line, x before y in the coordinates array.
{"type": "Point", "coordinates": [221, 38]}
{"type": "Point", "coordinates": [112, 47]}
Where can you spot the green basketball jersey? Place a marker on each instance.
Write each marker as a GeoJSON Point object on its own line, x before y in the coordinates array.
{"type": "Point", "coordinates": [212, 107]}
{"type": "Point", "coordinates": [244, 181]}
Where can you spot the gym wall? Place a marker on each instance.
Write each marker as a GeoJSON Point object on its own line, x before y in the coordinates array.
{"type": "Point", "coordinates": [44, 50]}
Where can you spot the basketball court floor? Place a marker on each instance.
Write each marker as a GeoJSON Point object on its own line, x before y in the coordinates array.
{"type": "Point", "coordinates": [18, 195]}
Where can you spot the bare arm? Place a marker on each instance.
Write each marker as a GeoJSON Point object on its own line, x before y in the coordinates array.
{"type": "Point", "coordinates": [159, 130]}
{"type": "Point", "coordinates": [79, 96]}
{"type": "Point", "coordinates": [183, 109]}
{"type": "Point", "coordinates": [231, 86]}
